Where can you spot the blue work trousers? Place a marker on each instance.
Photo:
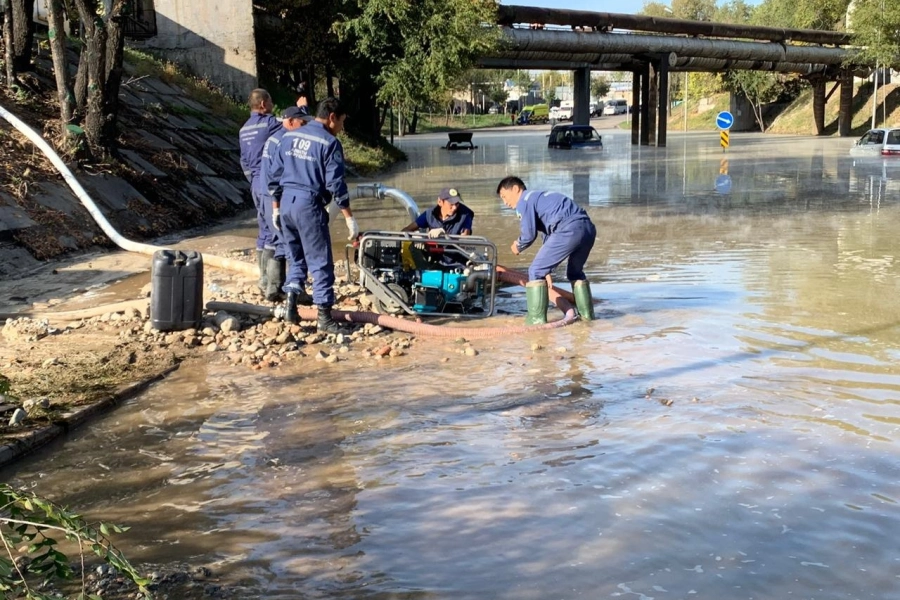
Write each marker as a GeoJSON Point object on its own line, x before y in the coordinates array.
{"type": "Point", "coordinates": [572, 239]}
{"type": "Point", "coordinates": [274, 239]}
{"type": "Point", "coordinates": [260, 199]}
{"type": "Point", "coordinates": [307, 242]}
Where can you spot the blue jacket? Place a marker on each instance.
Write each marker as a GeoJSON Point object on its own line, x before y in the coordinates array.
{"type": "Point", "coordinates": [543, 212]}
{"type": "Point", "coordinates": [310, 159]}
{"type": "Point", "coordinates": [459, 221]}
{"type": "Point", "coordinates": [253, 137]}
{"type": "Point", "coordinates": [267, 174]}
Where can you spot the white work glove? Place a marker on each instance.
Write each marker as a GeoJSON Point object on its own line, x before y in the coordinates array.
{"type": "Point", "coordinates": [276, 218]}
{"type": "Point", "coordinates": [352, 227]}
{"type": "Point", "coordinates": [436, 232]}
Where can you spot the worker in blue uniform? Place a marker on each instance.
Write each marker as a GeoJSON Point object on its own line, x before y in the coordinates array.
{"type": "Point", "coordinates": [311, 163]}
{"type": "Point", "coordinates": [449, 217]}
{"type": "Point", "coordinates": [292, 118]}
{"type": "Point", "coordinates": [253, 135]}
{"type": "Point", "coordinates": [568, 234]}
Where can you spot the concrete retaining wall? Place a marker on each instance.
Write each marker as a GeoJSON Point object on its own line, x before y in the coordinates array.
{"type": "Point", "coordinates": [213, 38]}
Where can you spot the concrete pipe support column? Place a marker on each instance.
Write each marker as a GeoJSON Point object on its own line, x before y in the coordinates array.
{"type": "Point", "coordinates": [581, 113]}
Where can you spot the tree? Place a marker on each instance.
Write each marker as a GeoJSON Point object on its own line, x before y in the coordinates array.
{"type": "Point", "coordinates": [694, 10]}
{"type": "Point", "coordinates": [802, 14]}
{"type": "Point", "coordinates": [22, 34]}
{"type": "Point", "coordinates": [656, 9]}
{"type": "Point", "coordinates": [875, 26]}
{"type": "Point", "coordinates": [599, 86]}
{"type": "Point", "coordinates": [735, 11]}
{"type": "Point", "coordinates": [419, 48]}
{"type": "Point", "coordinates": [759, 87]}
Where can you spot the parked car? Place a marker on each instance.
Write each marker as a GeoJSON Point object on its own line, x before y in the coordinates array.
{"type": "Point", "coordinates": [494, 110]}
{"type": "Point", "coordinates": [564, 112]}
{"type": "Point", "coordinates": [574, 136]}
{"type": "Point", "coordinates": [878, 142]}
{"type": "Point", "coordinates": [615, 107]}
{"type": "Point", "coordinates": [596, 109]}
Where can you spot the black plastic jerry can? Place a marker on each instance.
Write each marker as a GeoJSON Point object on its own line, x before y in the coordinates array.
{"type": "Point", "coordinates": [176, 296]}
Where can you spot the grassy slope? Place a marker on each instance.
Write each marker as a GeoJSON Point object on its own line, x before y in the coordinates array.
{"type": "Point", "coordinates": [362, 157]}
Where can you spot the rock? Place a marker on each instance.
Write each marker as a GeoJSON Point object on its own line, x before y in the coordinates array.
{"type": "Point", "coordinates": [321, 355]}
{"type": "Point", "coordinates": [331, 358]}
{"type": "Point", "coordinates": [132, 313]}
{"type": "Point", "coordinates": [17, 417]}
{"type": "Point", "coordinates": [33, 403]}
{"type": "Point", "coordinates": [535, 347]}
{"type": "Point", "coordinates": [208, 331]}
{"type": "Point", "coordinates": [343, 350]}
{"type": "Point", "coordinates": [314, 338]}
{"type": "Point", "coordinates": [146, 290]}
{"type": "Point", "coordinates": [375, 330]}
{"type": "Point", "coordinates": [148, 327]}
{"type": "Point", "coordinates": [172, 338]}
{"type": "Point", "coordinates": [50, 362]}
{"type": "Point", "coordinates": [471, 352]}
{"type": "Point", "coordinates": [339, 338]}
{"type": "Point", "coordinates": [284, 338]}
{"type": "Point", "coordinates": [561, 349]}
{"type": "Point", "coordinates": [226, 322]}
{"type": "Point", "coordinates": [383, 351]}
{"type": "Point", "coordinates": [445, 359]}
{"type": "Point", "coordinates": [212, 347]}
{"type": "Point", "coordinates": [396, 352]}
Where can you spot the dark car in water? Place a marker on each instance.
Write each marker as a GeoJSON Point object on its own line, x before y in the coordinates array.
{"type": "Point", "coordinates": [574, 136]}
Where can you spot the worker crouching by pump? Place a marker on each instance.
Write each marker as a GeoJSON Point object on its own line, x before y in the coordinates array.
{"type": "Point", "coordinates": [568, 234]}
{"type": "Point", "coordinates": [449, 217]}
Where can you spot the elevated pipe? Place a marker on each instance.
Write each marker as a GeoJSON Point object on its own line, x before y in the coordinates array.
{"type": "Point", "coordinates": [565, 42]}
{"type": "Point", "coordinates": [379, 191]}
{"type": "Point", "coordinates": [604, 21]}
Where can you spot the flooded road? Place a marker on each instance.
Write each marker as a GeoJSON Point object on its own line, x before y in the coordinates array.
{"type": "Point", "coordinates": [726, 429]}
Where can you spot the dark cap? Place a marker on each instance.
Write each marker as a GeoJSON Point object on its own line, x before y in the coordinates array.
{"type": "Point", "coordinates": [450, 195]}
{"type": "Point", "coordinates": [294, 112]}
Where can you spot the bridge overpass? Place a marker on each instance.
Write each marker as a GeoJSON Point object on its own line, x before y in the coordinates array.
{"type": "Point", "coordinates": [652, 48]}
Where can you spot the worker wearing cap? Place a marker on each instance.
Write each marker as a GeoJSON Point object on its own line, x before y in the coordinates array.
{"type": "Point", "coordinates": [449, 217]}
{"type": "Point", "coordinates": [253, 135]}
{"type": "Point", "coordinates": [292, 118]}
{"type": "Point", "coordinates": [568, 234]}
{"type": "Point", "coordinates": [311, 163]}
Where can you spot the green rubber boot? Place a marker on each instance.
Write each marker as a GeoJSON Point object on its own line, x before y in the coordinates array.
{"type": "Point", "coordinates": [583, 299]}
{"type": "Point", "coordinates": [536, 300]}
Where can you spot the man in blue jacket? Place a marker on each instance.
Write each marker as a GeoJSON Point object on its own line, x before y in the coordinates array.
{"type": "Point", "coordinates": [568, 234]}
{"type": "Point", "coordinates": [253, 135]}
{"type": "Point", "coordinates": [292, 118]}
{"type": "Point", "coordinates": [310, 161]}
{"type": "Point", "coordinates": [449, 217]}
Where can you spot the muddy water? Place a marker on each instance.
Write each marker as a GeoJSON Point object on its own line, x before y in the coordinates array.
{"type": "Point", "coordinates": [727, 429]}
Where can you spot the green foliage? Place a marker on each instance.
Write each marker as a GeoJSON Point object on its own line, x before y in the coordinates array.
{"type": "Point", "coordinates": [694, 10]}
{"type": "Point", "coordinates": [421, 47]}
{"type": "Point", "coordinates": [735, 11]}
{"type": "Point", "coordinates": [29, 526]}
{"type": "Point", "coordinates": [5, 386]}
{"type": "Point", "coordinates": [875, 25]}
{"type": "Point", "coordinates": [802, 14]}
{"type": "Point", "coordinates": [599, 86]}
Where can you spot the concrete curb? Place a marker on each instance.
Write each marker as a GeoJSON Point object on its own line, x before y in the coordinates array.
{"type": "Point", "coordinates": [33, 440]}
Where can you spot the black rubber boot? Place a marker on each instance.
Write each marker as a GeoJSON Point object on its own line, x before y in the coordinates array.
{"type": "Point", "coordinates": [262, 262]}
{"type": "Point", "coordinates": [275, 273]}
{"type": "Point", "coordinates": [290, 309]}
{"type": "Point", "coordinates": [326, 324]}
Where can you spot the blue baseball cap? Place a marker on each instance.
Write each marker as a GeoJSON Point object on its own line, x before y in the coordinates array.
{"type": "Point", "coordinates": [450, 195]}
{"type": "Point", "coordinates": [294, 112]}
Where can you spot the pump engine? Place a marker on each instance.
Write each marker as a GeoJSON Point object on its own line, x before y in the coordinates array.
{"type": "Point", "coordinates": [411, 273]}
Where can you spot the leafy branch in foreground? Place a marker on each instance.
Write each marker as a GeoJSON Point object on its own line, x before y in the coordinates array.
{"type": "Point", "coordinates": [30, 558]}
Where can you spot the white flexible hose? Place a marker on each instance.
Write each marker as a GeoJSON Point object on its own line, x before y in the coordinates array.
{"type": "Point", "coordinates": [118, 239]}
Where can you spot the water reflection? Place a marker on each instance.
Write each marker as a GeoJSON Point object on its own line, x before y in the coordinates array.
{"type": "Point", "coordinates": [725, 430]}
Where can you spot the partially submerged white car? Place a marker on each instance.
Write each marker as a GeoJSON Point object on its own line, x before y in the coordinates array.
{"type": "Point", "coordinates": [878, 142]}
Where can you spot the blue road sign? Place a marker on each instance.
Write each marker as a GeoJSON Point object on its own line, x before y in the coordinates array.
{"type": "Point", "coordinates": [723, 184]}
{"type": "Point", "coordinates": [724, 120]}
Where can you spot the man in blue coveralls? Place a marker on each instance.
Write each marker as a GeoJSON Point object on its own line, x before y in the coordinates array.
{"type": "Point", "coordinates": [292, 118]}
{"type": "Point", "coordinates": [311, 162]}
{"type": "Point", "coordinates": [253, 136]}
{"type": "Point", "coordinates": [449, 217]}
{"type": "Point", "coordinates": [568, 234]}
